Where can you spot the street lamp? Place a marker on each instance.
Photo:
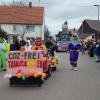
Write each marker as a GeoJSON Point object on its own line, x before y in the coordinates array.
{"type": "Point", "coordinates": [98, 18]}
{"type": "Point", "coordinates": [98, 10]}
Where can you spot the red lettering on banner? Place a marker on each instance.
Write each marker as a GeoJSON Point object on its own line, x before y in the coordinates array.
{"type": "Point", "coordinates": [13, 64]}
{"type": "Point", "coordinates": [10, 64]}
{"type": "Point", "coordinates": [39, 64]}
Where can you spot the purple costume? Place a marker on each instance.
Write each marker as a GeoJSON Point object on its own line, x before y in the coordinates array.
{"type": "Point", "coordinates": [74, 47]}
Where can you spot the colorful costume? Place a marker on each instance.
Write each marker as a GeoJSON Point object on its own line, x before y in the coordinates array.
{"type": "Point", "coordinates": [28, 46]}
{"type": "Point", "coordinates": [74, 47]}
{"type": "Point", "coordinates": [39, 46]}
{"type": "Point", "coordinates": [42, 47]}
{"type": "Point", "coordinates": [4, 47]}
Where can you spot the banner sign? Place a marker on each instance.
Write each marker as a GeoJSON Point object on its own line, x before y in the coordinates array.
{"type": "Point", "coordinates": [25, 61]}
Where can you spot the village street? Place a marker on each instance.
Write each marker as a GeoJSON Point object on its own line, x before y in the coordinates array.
{"type": "Point", "coordinates": [64, 84]}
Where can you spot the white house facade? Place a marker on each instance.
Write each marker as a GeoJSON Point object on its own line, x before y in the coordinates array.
{"type": "Point", "coordinates": [22, 22]}
{"type": "Point", "coordinates": [27, 31]}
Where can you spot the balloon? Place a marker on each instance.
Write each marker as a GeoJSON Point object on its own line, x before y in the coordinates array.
{"type": "Point", "coordinates": [31, 73]}
{"type": "Point", "coordinates": [9, 75]}
{"type": "Point", "coordinates": [27, 75]}
{"type": "Point", "coordinates": [39, 73]}
{"type": "Point", "coordinates": [19, 71]}
{"type": "Point", "coordinates": [6, 76]}
{"type": "Point", "coordinates": [53, 62]}
{"type": "Point", "coordinates": [44, 59]}
{"type": "Point", "coordinates": [23, 77]}
{"type": "Point", "coordinates": [18, 75]}
{"type": "Point", "coordinates": [43, 75]}
{"type": "Point", "coordinates": [35, 75]}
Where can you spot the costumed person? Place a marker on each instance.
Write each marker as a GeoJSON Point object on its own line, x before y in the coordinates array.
{"type": "Point", "coordinates": [3, 54]}
{"type": "Point", "coordinates": [28, 46]}
{"type": "Point", "coordinates": [74, 47]}
{"type": "Point", "coordinates": [48, 43]}
{"type": "Point", "coordinates": [97, 52]}
{"type": "Point", "coordinates": [50, 46]}
{"type": "Point", "coordinates": [38, 46]}
{"type": "Point", "coordinates": [83, 47]}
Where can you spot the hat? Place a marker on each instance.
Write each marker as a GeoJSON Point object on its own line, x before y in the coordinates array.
{"type": "Point", "coordinates": [75, 35]}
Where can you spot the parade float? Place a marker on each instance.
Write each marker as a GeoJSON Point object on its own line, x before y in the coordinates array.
{"type": "Point", "coordinates": [27, 68]}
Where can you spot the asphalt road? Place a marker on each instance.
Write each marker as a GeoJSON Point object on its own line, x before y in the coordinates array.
{"type": "Point", "coordinates": [64, 84]}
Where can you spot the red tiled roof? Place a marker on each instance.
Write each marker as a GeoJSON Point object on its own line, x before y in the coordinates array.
{"type": "Point", "coordinates": [21, 15]}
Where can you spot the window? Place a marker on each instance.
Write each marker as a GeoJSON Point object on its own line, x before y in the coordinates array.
{"type": "Point", "coordinates": [14, 28]}
{"type": "Point", "coordinates": [30, 28]}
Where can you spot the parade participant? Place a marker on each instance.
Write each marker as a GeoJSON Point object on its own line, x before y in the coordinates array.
{"type": "Point", "coordinates": [28, 46]}
{"type": "Point", "coordinates": [83, 47]}
{"type": "Point", "coordinates": [97, 51]}
{"type": "Point", "coordinates": [3, 54]}
{"type": "Point", "coordinates": [48, 43]}
{"type": "Point", "coordinates": [1, 47]}
{"type": "Point", "coordinates": [51, 46]}
{"type": "Point", "coordinates": [91, 48]}
{"type": "Point", "coordinates": [73, 48]}
{"type": "Point", "coordinates": [15, 45]}
{"type": "Point", "coordinates": [22, 43]}
{"type": "Point", "coordinates": [38, 46]}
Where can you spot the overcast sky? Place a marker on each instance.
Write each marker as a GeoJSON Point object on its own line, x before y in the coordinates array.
{"type": "Point", "coordinates": [58, 11]}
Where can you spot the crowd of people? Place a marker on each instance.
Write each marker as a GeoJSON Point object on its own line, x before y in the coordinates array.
{"type": "Point", "coordinates": [92, 47]}
{"type": "Point", "coordinates": [47, 46]}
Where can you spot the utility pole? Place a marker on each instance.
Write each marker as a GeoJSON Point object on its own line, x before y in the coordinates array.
{"type": "Point", "coordinates": [98, 18]}
{"type": "Point", "coordinates": [98, 10]}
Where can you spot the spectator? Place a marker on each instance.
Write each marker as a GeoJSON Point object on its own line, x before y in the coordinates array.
{"type": "Point", "coordinates": [97, 51]}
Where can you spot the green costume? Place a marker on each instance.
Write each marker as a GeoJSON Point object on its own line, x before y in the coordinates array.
{"type": "Point", "coordinates": [3, 54]}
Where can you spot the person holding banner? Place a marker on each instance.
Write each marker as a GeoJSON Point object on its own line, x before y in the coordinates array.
{"type": "Point", "coordinates": [38, 46]}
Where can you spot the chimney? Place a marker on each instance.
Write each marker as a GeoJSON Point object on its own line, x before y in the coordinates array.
{"type": "Point", "coordinates": [30, 4]}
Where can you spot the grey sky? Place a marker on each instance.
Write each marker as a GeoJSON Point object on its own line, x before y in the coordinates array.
{"type": "Point", "coordinates": [58, 11]}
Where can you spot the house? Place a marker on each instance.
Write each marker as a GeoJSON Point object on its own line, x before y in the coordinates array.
{"type": "Point", "coordinates": [22, 21]}
{"type": "Point", "coordinates": [90, 28]}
